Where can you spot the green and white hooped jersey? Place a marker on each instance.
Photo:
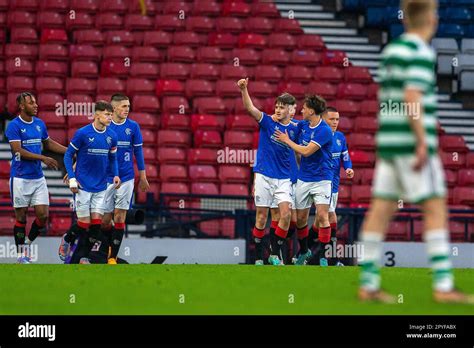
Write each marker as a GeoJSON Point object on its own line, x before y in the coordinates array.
{"type": "Point", "coordinates": [406, 62]}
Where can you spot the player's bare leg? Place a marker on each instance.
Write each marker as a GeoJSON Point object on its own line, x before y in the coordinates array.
{"type": "Point", "coordinates": [258, 233]}
{"type": "Point", "coordinates": [436, 237]}
{"type": "Point", "coordinates": [373, 232]}
{"type": "Point", "coordinates": [19, 232]}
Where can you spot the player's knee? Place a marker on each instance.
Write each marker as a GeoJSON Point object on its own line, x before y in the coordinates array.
{"type": "Point", "coordinates": [120, 216]}
{"type": "Point", "coordinates": [285, 215]}
{"type": "Point", "coordinates": [42, 217]}
{"type": "Point", "coordinates": [332, 217]}
{"type": "Point", "coordinates": [260, 219]}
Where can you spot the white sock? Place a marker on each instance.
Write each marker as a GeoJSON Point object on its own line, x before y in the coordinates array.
{"type": "Point", "coordinates": [437, 244]}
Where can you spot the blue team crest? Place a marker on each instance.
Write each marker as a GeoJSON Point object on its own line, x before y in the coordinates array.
{"type": "Point", "coordinates": [109, 140]}
{"type": "Point", "coordinates": [38, 128]}
{"type": "Point", "coordinates": [128, 131]}
{"type": "Point", "coordinates": [312, 135]}
{"type": "Point", "coordinates": [292, 133]}
{"type": "Point", "coordinates": [338, 141]}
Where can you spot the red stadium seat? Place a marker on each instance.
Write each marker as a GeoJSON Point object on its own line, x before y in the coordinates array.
{"type": "Point", "coordinates": [169, 22]}
{"type": "Point", "coordinates": [329, 74]}
{"type": "Point", "coordinates": [21, 19]}
{"type": "Point", "coordinates": [311, 42]}
{"type": "Point", "coordinates": [398, 231]}
{"type": "Point", "coordinates": [235, 9]}
{"type": "Point", "coordinates": [281, 40]}
{"type": "Point", "coordinates": [160, 39]}
{"type": "Point", "coordinates": [241, 122]}
{"type": "Point", "coordinates": [176, 121]}
{"type": "Point", "coordinates": [174, 138]}
{"type": "Point", "coordinates": [181, 54]}
{"type": "Point", "coordinates": [78, 121]}
{"type": "Point", "coordinates": [453, 143]}
{"type": "Point", "coordinates": [202, 156]}
{"type": "Point", "coordinates": [345, 124]}
{"type": "Point", "coordinates": [207, 122]}
{"type": "Point", "coordinates": [463, 195]}
{"type": "Point", "coordinates": [140, 86]}
{"type": "Point", "coordinates": [146, 120]}
{"type": "Point", "coordinates": [207, 54]}
{"type": "Point", "coordinates": [238, 139]}
{"type": "Point", "coordinates": [145, 103]}
{"type": "Point", "coordinates": [227, 88]}
{"type": "Point", "coordinates": [259, 25]}
{"type": "Point", "coordinates": [357, 74]}
{"type": "Point", "coordinates": [205, 71]}
{"type": "Point", "coordinates": [366, 175]}
{"type": "Point", "coordinates": [335, 58]}
{"type": "Point", "coordinates": [362, 158]}
{"type": "Point", "coordinates": [149, 137]}
{"type": "Point", "coordinates": [58, 135]}
{"type": "Point", "coordinates": [457, 231]}
{"type": "Point", "coordinates": [84, 69]}
{"type": "Point", "coordinates": [146, 54]}
{"type": "Point", "coordinates": [171, 155]}
{"type": "Point", "coordinates": [451, 177]}
{"type": "Point", "coordinates": [19, 68]}
{"type": "Point", "coordinates": [173, 172]}
{"type": "Point", "coordinates": [344, 195]}
{"type": "Point", "coordinates": [116, 52]}
{"type": "Point", "coordinates": [361, 193]}
{"type": "Point", "coordinates": [149, 154]}
{"type": "Point", "coordinates": [307, 58]}
{"type": "Point", "coordinates": [174, 187]}
{"type": "Point", "coordinates": [108, 21]}
{"type": "Point", "coordinates": [262, 89]}
{"type": "Point", "coordinates": [229, 25]}
{"type": "Point", "coordinates": [199, 88]}
{"type": "Point", "coordinates": [57, 36]}
{"type": "Point", "coordinates": [89, 37]}
{"type": "Point", "coordinates": [207, 138]}
{"type": "Point", "coordinates": [222, 40]}
{"type": "Point", "coordinates": [176, 7]}
{"type": "Point", "coordinates": [466, 177]}
{"type": "Point", "coordinates": [234, 190]}
{"type": "Point", "coordinates": [372, 91]}
{"type": "Point", "coordinates": [52, 119]}
{"type": "Point", "coordinates": [51, 20]}
{"type": "Point", "coordinates": [239, 107]}
{"type": "Point", "coordinates": [175, 104]}
{"type": "Point", "coordinates": [200, 24]}
{"type": "Point", "coordinates": [135, 21]}
{"type": "Point", "coordinates": [174, 71]}
{"type": "Point", "coordinates": [369, 108]}
{"type": "Point", "coordinates": [23, 51]}
{"type": "Point", "coordinates": [209, 105]}
{"type": "Point", "coordinates": [53, 52]}
{"type": "Point", "coordinates": [202, 173]}
{"type": "Point", "coordinates": [110, 85]}
{"type": "Point", "coordinates": [347, 108]}
{"type": "Point", "coordinates": [452, 160]}
{"type": "Point", "coordinates": [361, 141]}
{"type": "Point", "coordinates": [84, 52]}
{"type": "Point", "coordinates": [85, 5]}
{"type": "Point", "coordinates": [353, 91]}
{"type": "Point", "coordinates": [24, 35]}
{"type": "Point", "coordinates": [268, 73]}
{"type": "Point", "coordinates": [246, 56]}
{"type": "Point", "coordinates": [55, 5]}
{"type": "Point", "coordinates": [265, 9]}
{"type": "Point", "coordinates": [324, 89]}
{"type": "Point", "coordinates": [298, 73]}
{"type": "Point", "coordinates": [207, 188]}
{"type": "Point", "coordinates": [248, 40]}
{"type": "Point", "coordinates": [236, 173]}
{"type": "Point", "coordinates": [231, 72]}
{"type": "Point", "coordinates": [5, 169]}
{"type": "Point", "coordinates": [81, 85]}
{"type": "Point", "coordinates": [296, 89]}
{"type": "Point", "coordinates": [206, 8]}
{"type": "Point", "coordinates": [49, 84]}
{"type": "Point", "coordinates": [187, 38]}
{"type": "Point", "coordinates": [365, 124]}
{"type": "Point", "coordinates": [470, 160]}
{"type": "Point", "coordinates": [145, 70]}
{"type": "Point", "coordinates": [81, 20]}
{"type": "Point", "coordinates": [51, 69]}
{"type": "Point", "coordinates": [120, 38]}
{"type": "Point", "coordinates": [287, 25]}
{"type": "Point", "coordinates": [116, 6]}
{"type": "Point", "coordinates": [59, 224]}
{"type": "Point", "coordinates": [49, 100]}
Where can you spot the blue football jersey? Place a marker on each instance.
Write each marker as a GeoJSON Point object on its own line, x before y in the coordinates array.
{"type": "Point", "coordinates": [318, 166]}
{"type": "Point", "coordinates": [31, 134]}
{"type": "Point", "coordinates": [273, 157]}
{"type": "Point", "coordinates": [340, 153]}
{"type": "Point", "coordinates": [93, 149]}
{"type": "Point", "coordinates": [294, 168]}
{"type": "Point", "coordinates": [128, 137]}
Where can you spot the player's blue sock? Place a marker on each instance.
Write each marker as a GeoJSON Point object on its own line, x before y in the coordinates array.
{"type": "Point", "coordinates": [371, 250]}
{"type": "Point", "coordinates": [437, 243]}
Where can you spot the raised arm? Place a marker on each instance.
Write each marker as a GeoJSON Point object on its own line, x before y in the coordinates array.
{"type": "Point", "coordinates": [252, 110]}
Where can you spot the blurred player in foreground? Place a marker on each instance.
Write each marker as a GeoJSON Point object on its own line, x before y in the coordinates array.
{"type": "Point", "coordinates": [96, 147]}
{"type": "Point", "coordinates": [26, 133]}
{"type": "Point", "coordinates": [272, 168]}
{"type": "Point", "coordinates": [407, 162]}
{"type": "Point", "coordinates": [118, 201]}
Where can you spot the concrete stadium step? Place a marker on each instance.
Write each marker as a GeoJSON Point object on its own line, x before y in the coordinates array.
{"type": "Point", "coordinates": [450, 106]}
{"type": "Point", "coordinates": [456, 113]}
{"type": "Point", "coordinates": [355, 48]}
{"type": "Point", "coordinates": [362, 55]}
{"type": "Point", "coordinates": [330, 31]}
{"type": "Point", "coordinates": [297, 6]}
{"type": "Point", "coordinates": [60, 192]}
{"type": "Point", "coordinates": [321, 23]}
{"type": "Point", "coordinates": [55, 183]}
{"type": "Point", "coordinates": [365, 63]}
{"type": "Point", "coordinates": [345, 39]}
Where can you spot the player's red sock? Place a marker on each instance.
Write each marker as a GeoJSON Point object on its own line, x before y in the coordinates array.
{"type": "Point", "coordinates": [258, 235]}
{"type": "Point", "coordinates": [324, 238]}
{"type": "Point", "coordinates": [273, 226]}
{"type": "Point", "coordinates": [19, 234]}
{"type": "Point", "coordinates": [303, 239]}
{"type": "Point", "coordinates": [117, 237]}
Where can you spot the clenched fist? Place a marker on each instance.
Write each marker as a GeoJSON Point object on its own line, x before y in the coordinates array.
{"type": "Point", "coordinates": [242, 83]}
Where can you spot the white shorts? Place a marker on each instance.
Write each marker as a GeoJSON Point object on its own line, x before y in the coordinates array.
{"type": "Point", "coordinates": [395, 179]}
{"type": "Point", "coordinates": [28, 192]}
{"type": "Point", "coordinates": [333, 204]}
{"type": "Point", "coordinates": [118, 199]}
{"type": "Point", "coordinates": [293, 188]}
{"type": "Point", "coordinates": [86, 203]}
{"type": "Point", "coordinates": [308, 193]}
{"type": "Point", "coordinates": [269, 190]}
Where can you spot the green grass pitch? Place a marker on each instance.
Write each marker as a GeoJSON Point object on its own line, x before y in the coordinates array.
{"type": "Point", "coordinates": [212, 289]}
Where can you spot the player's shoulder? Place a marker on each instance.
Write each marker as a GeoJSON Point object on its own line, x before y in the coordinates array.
{"type": "Point", "coordinates": [38, 121]}
{"type": "Point", "coordinates": [340, 135]}
{"type": "Point", "coordinates": [111, 132]}
{"type": "Point", "coordinates": [129, 122]}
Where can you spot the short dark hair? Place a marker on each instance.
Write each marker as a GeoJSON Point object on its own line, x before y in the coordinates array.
{"type": "Point", "coordinates": [285, 99]}
{"type": "Point", "coordinates": [118, 97]}
{"type": "Point", "coordinates": [315, 102]}
{"type": "Point", "coordinates": [331, 109]}
{"type": "Point", "coordinates": [21, 97]}
{"type": "Point", "coordinates": [102, 105]}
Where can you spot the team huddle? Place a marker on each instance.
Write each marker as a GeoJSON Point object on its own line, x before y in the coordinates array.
{"type": "Point", "coordinates": [298, 164]}
{"type": "Point", "coordinates": [100, 174]}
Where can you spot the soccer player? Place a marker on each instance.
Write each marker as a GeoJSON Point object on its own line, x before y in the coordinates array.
{"type": "Point", "coordinates": [315, 174]}
{"type": "Point", "coordinates": [340, 156]}
{"type": "Point", "coordinates": [26, 133]}
{"type": "Point", "coordinates": [272, 172]}
{"type": "Point", "coordinates": [118, 201]}
{"type": "Point", "coordinates": [95, 146]}
{"type": "Point", "coordinates": [408, 166]}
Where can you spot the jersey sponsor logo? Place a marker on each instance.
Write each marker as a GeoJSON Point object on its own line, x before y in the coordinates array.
{"type": "Point", "coordinates": [91, 140]}
{"type": "Point", "coordinates": [128, 131]}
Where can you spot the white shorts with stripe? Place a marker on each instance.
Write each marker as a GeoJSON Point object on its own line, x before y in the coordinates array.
{"type": "Point", "coordinates": [333, 204]}
{"type": "Point", "coordinates": [395, 179]}
{"type": "Point", "coordinates": [293, 188]}
{"type": "Point", "coordinates": [270, 191]}
{"type": "Point", "coordinates": [308, 193]}
{"type": "Point", "coordinates": [120, 198]}
{"type": "Point", "coordinates": [86, 203]}
{"type": "Point", "coordinates": [28, 192]}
